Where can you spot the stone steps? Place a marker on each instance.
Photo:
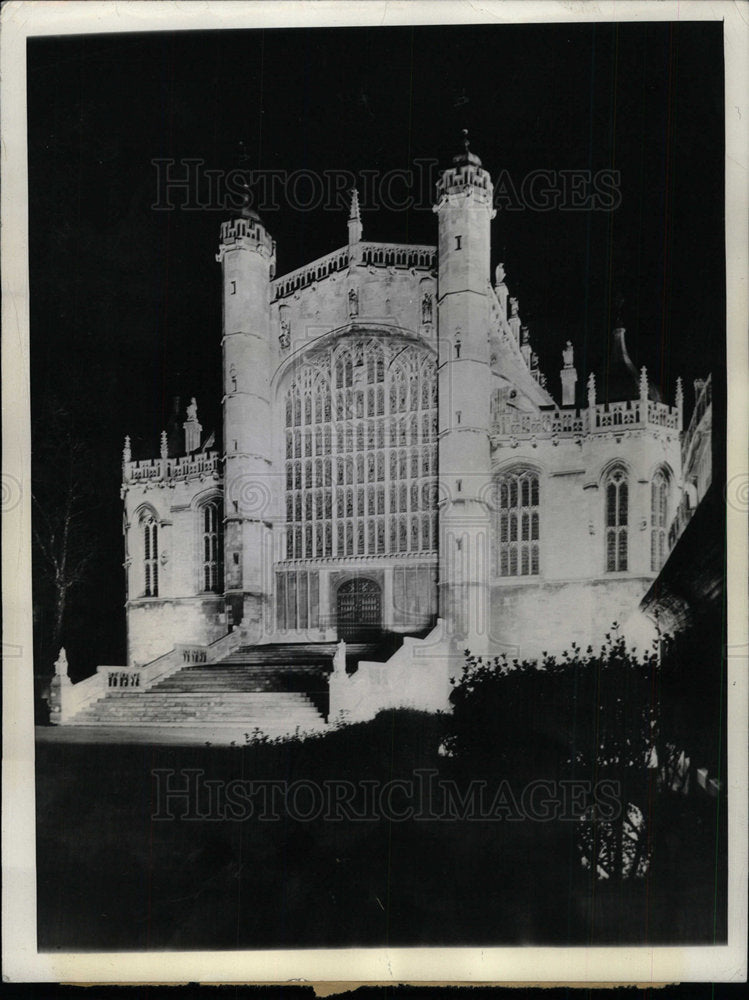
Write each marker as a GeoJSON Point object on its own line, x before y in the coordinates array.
{"type": "Point", "coordinates": [267, 688]}
{"type": "Point", "coordinates": [267, 710]}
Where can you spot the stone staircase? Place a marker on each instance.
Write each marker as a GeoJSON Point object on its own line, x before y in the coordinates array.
{"type": "Point", "coordinates": [274, 690]}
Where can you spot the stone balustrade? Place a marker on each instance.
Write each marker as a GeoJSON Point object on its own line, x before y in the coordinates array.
{"type": "Point", "coordinates": [310, 273]}
{"type": "Point", "coordinates": [393, 255]}
{"type": "Point", "coordinates": [372, 254]}
{"type": "Point", "coordinates": [597, 419]}
{"type": "Point", "coordinates": [155, 470]}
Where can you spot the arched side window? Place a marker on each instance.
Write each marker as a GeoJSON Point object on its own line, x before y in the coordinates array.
{"type": "Point", "coordinates": [150, 528]}
{"type": "Point", "coordinates": [658, 519]}
{"type": "Point", "coordinates": [617, 520]}
{"type": "Point", "coordinates": [518, 523]}
{"type": "Point", "coordinates": [212, 537]}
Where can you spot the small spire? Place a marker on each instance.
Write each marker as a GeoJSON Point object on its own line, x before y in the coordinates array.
{"type": "Point", "coordinates": [355, 228]}
{"type": "Point", "coordinates": [127, 455]}
{"type": "Point", "coordinates": [680, 400]}
{"type": "Point", "coordinates": [643, 383]}
{"type": "Point", "coordinates": [164, 445]}
{"type": "Point", "coordinates": [591, 389]}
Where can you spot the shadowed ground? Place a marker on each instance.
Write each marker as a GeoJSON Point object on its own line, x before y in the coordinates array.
{"type": "Point", "coordinates": [111, 877]}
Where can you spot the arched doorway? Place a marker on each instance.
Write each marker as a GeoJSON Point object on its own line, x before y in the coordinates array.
{"type": "Point", "coordinates": [359, 604]}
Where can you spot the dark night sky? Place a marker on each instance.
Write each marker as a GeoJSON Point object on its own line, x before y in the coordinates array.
{"type": "Point", "coordinates": [125, 303]}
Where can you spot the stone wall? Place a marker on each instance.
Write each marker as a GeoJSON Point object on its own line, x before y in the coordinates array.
{"type": "Point", "coordinates": [156, 625]}
{"type": "Point", "coordinates": [530, 618]}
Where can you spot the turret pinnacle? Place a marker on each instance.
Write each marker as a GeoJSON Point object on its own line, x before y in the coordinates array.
{"type": "Point", "coordinates": [355, 228]}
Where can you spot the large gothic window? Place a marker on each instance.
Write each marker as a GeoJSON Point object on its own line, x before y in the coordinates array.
{"type": "Point", "coordinates": [211, 524]}
{"type": "Point", "coordinates": [658, 515]}
{"type": "Point", "coordinates": [517, 523]}
{"type": "Point", "coordinates": [617, 520]}
{"type": "Point", "coordinates": [150, 529]}
{"type": "Point", "coordinates": [361, 453]}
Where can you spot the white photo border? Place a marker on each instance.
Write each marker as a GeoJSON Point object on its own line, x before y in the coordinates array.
{"type": "Point", "coordinates": [21, 960]}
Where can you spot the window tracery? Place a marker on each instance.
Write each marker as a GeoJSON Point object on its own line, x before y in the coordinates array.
{"type": "Point", "coordinates": [658, 519]}
{"type": "Point", "coordinates": [363, 419]}
{"type": "Point", "coordinates": [518, 523]}
{"type": "Point", "coordinates": [617, 520]}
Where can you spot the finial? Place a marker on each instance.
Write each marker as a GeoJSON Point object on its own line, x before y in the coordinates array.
{"type": "Point", "coordinates": [500, 274]}
{"type": "Point", "coordinates": [354, 213]}
{"type": "Point", "coordinates": [164, 445]}
{"type": "Point", "coordinates": [466, 157]}
{"type": "Point", "coordinates": [127, 454]}
{"type": "Point", "coordinates": [643, 383]}
{"type": "Point", "coordinates": [591, 389]}
{"type": "Point", "coordinates": [514, 306]}
{"type": "Point", "coordinates": [679, 391]}
{"type": "Point", "coordinates": [248, 212]}
{"type": "Point", "coordinates": [526, 335]}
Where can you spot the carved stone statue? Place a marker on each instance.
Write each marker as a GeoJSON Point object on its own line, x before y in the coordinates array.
{"type": "Point", "coordinates": [568, 354]}
{"type": "Point", "coordinates": [426, 308]}
{"type": "Point", "coordinates": [514, 306]}
{"type": "Point", "coordinates": [500, 274]}
{"type": "Point", "coordinates": [353, 302]}
{"type": "Point", "coordinates": [339, 659]}
{"type": "Point", "coordinates": [284, 337]}
{"type": "Point", "coordinates": [192, 409]}
{"type": "Point", "coordinates": [61, 663]}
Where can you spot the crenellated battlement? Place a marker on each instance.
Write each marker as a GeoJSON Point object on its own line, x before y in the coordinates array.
{"type": "Point", "coordinates": [458, 180]}
{"type": "Point", "coordinates": [250, 232]}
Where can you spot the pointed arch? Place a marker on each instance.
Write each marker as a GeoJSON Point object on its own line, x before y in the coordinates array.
{"type": "Point", "coordinates": [517, 502]}
{"type": "Point", "coordinates": [616, 517]}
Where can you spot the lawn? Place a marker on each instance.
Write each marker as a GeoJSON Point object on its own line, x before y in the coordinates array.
{"type": "Point", "coordinates": [113, 877]}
